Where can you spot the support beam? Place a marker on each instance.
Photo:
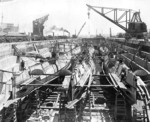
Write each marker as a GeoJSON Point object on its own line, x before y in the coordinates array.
{"type": "Point", "coordinates": [98, 86]}
{"type": "Point", "coordinates": [58, 85]}
{"type": "Point", "coordinates": [95, 109]}
{"type": "Point", "coordinates": [101, 75]}
{"type": "Point", "coordinates": [47, 74]}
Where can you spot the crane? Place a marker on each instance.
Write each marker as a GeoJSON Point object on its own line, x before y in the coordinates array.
{"type": "Point", "coordinates": [132, 20]}
{"type": "Point", "coordinates": [38, 26]}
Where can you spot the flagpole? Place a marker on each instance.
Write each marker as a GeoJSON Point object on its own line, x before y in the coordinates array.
{"type": "Point", "coordinates": [1, 15]}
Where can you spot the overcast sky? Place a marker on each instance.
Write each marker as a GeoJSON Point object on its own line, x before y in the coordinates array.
{"type": "Point", "coordinates": [69, 14]}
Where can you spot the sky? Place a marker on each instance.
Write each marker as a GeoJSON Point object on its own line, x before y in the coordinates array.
{"type": "Point", "coordinates": [69, 14]}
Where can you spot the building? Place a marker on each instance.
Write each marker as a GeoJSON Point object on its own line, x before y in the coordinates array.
{"type": "Point", "coordinates": [8, 27]}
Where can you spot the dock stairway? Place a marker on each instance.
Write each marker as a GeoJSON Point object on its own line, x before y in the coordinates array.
{"type": "Point", "coordinates": [87, 114]}
{"type": "Point", "coordinates": [65, 114]}
{"type": "Point", "coordinates": [120, 112]}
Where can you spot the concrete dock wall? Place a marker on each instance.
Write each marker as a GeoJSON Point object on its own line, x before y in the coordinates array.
{"type": "Point", "coordinates": [8, 60]}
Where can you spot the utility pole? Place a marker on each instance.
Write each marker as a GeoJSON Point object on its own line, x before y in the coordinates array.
{"type": "Point", "coordinates": [96, 32]}
{"type": "Point", "coordinates": [2, 18]}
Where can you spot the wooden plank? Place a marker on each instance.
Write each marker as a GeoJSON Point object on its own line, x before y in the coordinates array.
{"type": "Point", "coordinates": [28, 81]}
{"type": "Point", "coordinates": [129, 60]}
{"type": "Point", "coordinates": [66, 82]}
{"type": "Point", "coordinates": [72, 103]}
{"type": "Point", "coordinates": [117, 80]}
{"type": "Point", "coordinates": [58, 85]}
{"type": "Point", "coordinates": [114, 83]}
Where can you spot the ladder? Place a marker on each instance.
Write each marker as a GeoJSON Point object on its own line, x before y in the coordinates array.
{"type": "Point", "coordinates": [65, 114]}
{"type": "Point", "coordinates": [142, 116]}
{"type": "Point", "coordinates": [86, 115]}
{"type": "Point", "coordinates": [62, 115]}
{"type": "Point", "coordinates": [120, 111]}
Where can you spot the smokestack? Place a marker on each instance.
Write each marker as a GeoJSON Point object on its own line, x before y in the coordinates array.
{"type": "Point", "coordinates": [53, 34]}
{"type": "Point", "coordinates": [110, 33]}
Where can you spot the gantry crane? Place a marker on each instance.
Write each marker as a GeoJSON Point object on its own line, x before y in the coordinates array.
{"type": "Point", "coordinates": [129, 20]}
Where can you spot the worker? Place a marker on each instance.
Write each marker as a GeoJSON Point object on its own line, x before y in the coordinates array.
{"type": "Point", "coordinates": [54, 54]}
{"type": "Point", "coordinates": [11, 95]}
{"type": "Point", "coordinates": [123, 74]}
{"type": "Point", "coordinates": [22, 65]}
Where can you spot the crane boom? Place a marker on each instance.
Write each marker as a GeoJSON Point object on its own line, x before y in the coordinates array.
{"type": "Point", "coordinates": [42, 19]}
{"type": "Point", "coordinates": [130, 20]}
{"type": "Point", "coordinates": [115, 20]}
{"type": "Point", "coordinates": [38, 25]}
{"type": "Point", "coordinates": [81, 29]}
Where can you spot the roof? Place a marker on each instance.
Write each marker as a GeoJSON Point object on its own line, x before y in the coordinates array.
{"type": "Point", "coordinates": [12, 34]}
